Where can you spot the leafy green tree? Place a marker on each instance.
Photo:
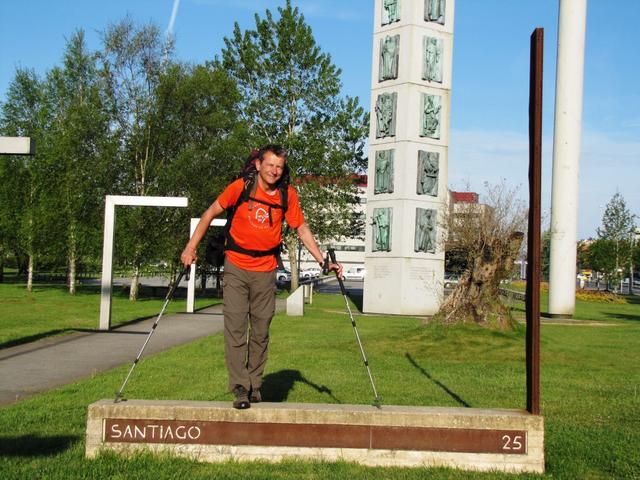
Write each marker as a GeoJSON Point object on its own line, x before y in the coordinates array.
{"type": "Point", "coordinates": [200, 131]}
{"type": "Point", "coordinates": [618, 225]}
{"type": "Point", "coordinates": [545, 254]}
{"type": "Point", "coordinates": [81, 150]}
{"type": "Point", "coordinates": [291, 96]}
{"type": "Point", "coordinates": [22, 177]}
{"type": "Point", "coordinates": [13, 175]}
{"type": "Point", "coordinates": [133, 58]}
{"type": "Point", "coordinates": [601, 257]}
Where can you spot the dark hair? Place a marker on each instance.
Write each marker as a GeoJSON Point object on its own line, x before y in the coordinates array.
{"type": "Point", "coordinates": [249, 168]}
{"type": "Point", "coordinates": [277, 150]}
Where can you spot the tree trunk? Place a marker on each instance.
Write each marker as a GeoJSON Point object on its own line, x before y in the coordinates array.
{"type": "Point", "coordinates": [1, 265]}
{"type": "Point", "coordinates": [30, 254]}
{"type": "Point", "coordinates": [72, 259]}
{"type": "Point", "coordinates": [135, 284]}
{"type": "Point", "coordinates": [476, 297]}
{"type": "Point", "coordinates": [30, 274]}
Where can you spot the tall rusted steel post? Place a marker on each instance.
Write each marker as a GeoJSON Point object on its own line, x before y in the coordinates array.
{"type": "Point", "coordinates": [533, 253]}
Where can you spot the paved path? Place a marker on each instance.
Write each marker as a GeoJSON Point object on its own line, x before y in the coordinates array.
{"type": "Point", "coordinates": [52, 362]}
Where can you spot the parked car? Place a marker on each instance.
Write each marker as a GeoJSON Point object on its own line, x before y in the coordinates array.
{"type": "Point", "coordinates": [355, 273]}
{"type": "Point", "coordinates": [451, 280]}
{"type": "Point", "coordinates": [283, 275]}
{"type": "Point", "coordinates": [313, 272]}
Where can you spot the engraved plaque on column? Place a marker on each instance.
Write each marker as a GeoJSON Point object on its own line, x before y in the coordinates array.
{"type": "Point", "coordinates": [383, 181]}
{"type": "Point", "coordinates": [434, 11]}
{"type": "Point", "coordinates": [386, 115]}
{"type": "Point", "coordinates": [381, 223]}
{"type": "Point", "coordinates": [425, 234]}
{"type": "Point", "coordinates": [390, 11]}
{"type": "Point", "coordinates": [432, 65]}
{"type": "Point", "coordinates": [428, 169]}
{"type": "Point", "coordinates": [389, 57]}
{"type": "Point", "coordinates": [431, 114]}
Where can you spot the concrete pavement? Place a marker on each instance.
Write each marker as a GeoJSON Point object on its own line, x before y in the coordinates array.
{"type": "Point", "coordinates": [52, 362]}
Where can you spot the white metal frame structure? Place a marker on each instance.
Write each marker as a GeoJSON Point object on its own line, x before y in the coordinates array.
{"type": "Point", "coordinates": [17, 146]}
{"type": "Point", "coordinates": [107, 247]}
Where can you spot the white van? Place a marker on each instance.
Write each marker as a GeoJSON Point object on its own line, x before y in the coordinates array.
{"type": "Point", "coordinates": [355, 273]}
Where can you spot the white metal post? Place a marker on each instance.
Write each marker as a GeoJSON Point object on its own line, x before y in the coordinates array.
{"type": "Point", "coordinates": [566, 156]}
{"type": "Point", "coordinates": [107, 245]}
{"type": "Point", "coordinates": [191, 285]}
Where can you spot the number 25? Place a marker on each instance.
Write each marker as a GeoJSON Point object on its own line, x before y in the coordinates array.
{"type": "Point", "coordinates": [514, 443]}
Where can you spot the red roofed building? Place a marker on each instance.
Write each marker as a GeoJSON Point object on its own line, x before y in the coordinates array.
{"type": "Point", "coordinates": [464, 197]}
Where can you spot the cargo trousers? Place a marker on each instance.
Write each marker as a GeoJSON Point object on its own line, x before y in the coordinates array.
{"type": "Point", "coordinates": [249, 303]}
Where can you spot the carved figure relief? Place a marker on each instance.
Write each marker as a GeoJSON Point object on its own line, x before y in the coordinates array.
{"type": "Point", "coordinates": [390, 11]}
{"type": "Point", "coordinates": [381, 223]}
{"type": "Point", "coordinates": [386, 115]}
{"type": "Point", "coordinates": [434, 11]}
{"type": "Point", "coordinates": [389, 56]}
{"type": "Point", "coordinates": [428, 168]}
{"type": "Point", "coordinates": [430, 124]}
{"type": "Point", "coordinates": [432, 65]}
{"type": "Point", "coordinates": [383, 182]}
{"type": "Point", "coordinates": [425, 237]}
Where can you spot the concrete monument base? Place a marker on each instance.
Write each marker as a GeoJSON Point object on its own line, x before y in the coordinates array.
{"type": "Point", "coordinates": [467, 438]}
{"type": "Point", "coordinates": [403, 286]}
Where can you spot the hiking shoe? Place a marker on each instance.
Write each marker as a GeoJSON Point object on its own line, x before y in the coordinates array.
{"type": "Point", "coordinates": [242, 397]}
{"type": "Point", "coordinates": [254, 396]}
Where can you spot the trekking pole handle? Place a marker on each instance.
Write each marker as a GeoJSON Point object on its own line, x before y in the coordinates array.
{"type": "Point", "coordinates": [325, 265]}
{"type": "Point", "coordinates": [187, 273]}
{"type": "Point", "coordinates": [331, 253]}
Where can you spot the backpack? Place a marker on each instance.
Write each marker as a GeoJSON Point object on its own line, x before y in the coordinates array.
{"type": "Point", "coordinates": [217, 244]}
{"type": "Point", "coordinates": [214, 253]}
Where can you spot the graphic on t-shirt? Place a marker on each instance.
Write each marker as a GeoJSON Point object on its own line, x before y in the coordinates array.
{"type": "Point", "coordinates": [259, 218]}
{"type": "Point", "coordinates": [262, 215]}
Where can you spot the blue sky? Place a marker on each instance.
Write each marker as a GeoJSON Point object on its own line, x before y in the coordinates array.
{"type": "Point", "coordinates": [488, 139]}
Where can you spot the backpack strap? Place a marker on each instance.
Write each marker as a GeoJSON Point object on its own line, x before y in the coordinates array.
{"type": "Point", "coordinates": [250, 187]}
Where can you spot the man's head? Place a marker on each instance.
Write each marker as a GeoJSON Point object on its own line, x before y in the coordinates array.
{"type": "Point", "coordinates": [271, 165]}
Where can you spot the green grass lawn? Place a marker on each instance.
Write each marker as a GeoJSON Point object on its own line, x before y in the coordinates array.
{"type": "Point", "coordinates": [587, 310]}
{"type": "Point", "coordinates": [50, 310]}
{"type": "Point", "coordinates": [590, 394]}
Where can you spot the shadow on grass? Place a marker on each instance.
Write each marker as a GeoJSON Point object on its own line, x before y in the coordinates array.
{"type": "Point", "coordinates": [114, 328]}
{"type": "Point", "coordinates": [35, 446]}
{"type": "Point", "coordinates": [451, 393]}
{"type": "Point", "coordinates": [356, 298]}
{"type": "Point", "coordinates": [276, 386]}
{"type": "Point", "coordinates": [633, 299]}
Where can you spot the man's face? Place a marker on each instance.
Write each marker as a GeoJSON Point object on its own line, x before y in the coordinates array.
{"type": "Point", "coordinates": [270, 169]}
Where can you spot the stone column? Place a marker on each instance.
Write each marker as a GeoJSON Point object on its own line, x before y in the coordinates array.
{"type": "Point", "coordinates": [566, 157]}
{"type": "Point", "coordinates": [408, 150]}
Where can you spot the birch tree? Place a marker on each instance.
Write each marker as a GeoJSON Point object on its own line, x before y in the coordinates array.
{"type": "Point", "coordinates": [133, 58]}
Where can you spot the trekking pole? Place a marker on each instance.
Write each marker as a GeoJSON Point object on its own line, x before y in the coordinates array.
{"type": "Point", "coordinates": [172, 289]}
{"type": "Point", "coordinates": [331, 254]}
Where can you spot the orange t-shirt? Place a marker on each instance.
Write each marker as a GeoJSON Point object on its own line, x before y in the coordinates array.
{"type": "Point", "coordinates": [251, 228]}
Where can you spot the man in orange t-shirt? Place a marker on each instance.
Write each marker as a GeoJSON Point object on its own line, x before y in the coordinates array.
{"type": "Point", "coordinates": [250, 266]}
